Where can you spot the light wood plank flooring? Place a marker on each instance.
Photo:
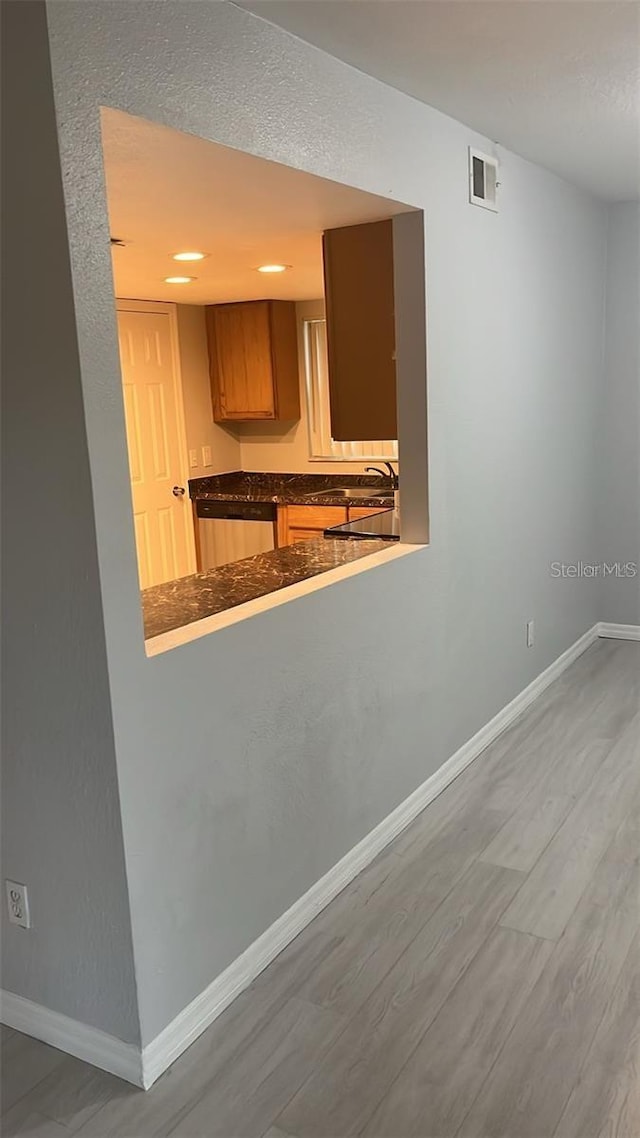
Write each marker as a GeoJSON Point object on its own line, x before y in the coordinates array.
{"type": "Point", "coordinates": [481, 979]}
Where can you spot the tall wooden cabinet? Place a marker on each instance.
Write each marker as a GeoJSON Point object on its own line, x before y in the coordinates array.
{"type": "Point", "coordinates": [253, 357]}
{"type": "Point", "coordinates": [359, 295]}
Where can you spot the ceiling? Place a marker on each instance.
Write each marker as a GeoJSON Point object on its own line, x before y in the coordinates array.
{"type": "Point", "coordinates": [169, 192]}
{"type": "Point", "coordinates": [557, 81]}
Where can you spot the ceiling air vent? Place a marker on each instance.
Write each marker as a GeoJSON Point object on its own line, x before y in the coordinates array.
{"type": "Point", "coordinates": [483, 180]}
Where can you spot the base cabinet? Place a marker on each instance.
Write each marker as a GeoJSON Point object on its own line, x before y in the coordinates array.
{"type": "Point", "coordinates": [304, 523]}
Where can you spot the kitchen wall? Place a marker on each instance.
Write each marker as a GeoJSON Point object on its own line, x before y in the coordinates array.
{"type": "Point", "coordinates": [267, 446]}
{"type": "Point", "coordinates": [250, 761]}
{"type": "Point", "coordinates": [619, 433]}
{"type": "Point", "coordinates": [282, 447]}
{"type": "Point", "coordinates": [242, 446]}
{"type": "Point", "coordinates": [201, 430]}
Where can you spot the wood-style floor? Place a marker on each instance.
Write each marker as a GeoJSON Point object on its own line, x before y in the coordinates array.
{"type": "Point", "coordinates": [481, 979]}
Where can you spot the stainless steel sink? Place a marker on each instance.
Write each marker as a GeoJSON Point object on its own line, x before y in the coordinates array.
{"type": "Point", "coordinates": [353, 492]}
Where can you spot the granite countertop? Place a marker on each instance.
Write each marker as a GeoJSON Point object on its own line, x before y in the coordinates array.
{"type": "Point", "coordinates": [290, 489]}
{"type": "Point", "coordinates": [385, 525]}
{"type": "Point", "coordinates": [181, 602]}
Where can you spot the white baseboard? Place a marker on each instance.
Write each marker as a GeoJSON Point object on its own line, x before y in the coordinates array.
{"type": "Point", "coordinates": [196, 1017]}
{"type": "Point", "coordinates": [619, 631]}
{"type": "Point", "coordinates": [143, 1067]}
{"type": "Point", "coordinates": [88, 1043]}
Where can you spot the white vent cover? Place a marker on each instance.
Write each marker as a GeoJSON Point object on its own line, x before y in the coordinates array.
{"type": "Point", "coordinates": [483, 180]}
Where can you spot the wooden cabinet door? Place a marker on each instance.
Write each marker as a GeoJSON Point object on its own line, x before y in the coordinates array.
{"type": "Point", "coordinates": [303, 523]}
{"type": "Point", "coordinates": [356, 512]}
{"type": "Point", "coordinates": [298, 534]}
{"type": "Point", "coordinates": [253, 355]}
{"type": "Point", "coordinates": [359, 293]}
{"type": "Point", "coordinates": [241, 361]}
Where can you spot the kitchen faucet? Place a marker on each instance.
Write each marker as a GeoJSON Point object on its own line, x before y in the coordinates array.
{"type": "Point", "coordinates": [383, 474]}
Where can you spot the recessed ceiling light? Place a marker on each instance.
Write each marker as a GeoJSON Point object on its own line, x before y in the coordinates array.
{"type": "Point", "coordinates": [273, 268]}
{"type": "Point", "coordinates": [178, 280]}
{"type": "Point", "coordinates": [189, 256]}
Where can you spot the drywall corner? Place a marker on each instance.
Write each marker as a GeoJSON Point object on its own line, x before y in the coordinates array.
{"type": "Point", "coordinates": [619, 426]}
{"type": "Point", "coordinates": [61, 827]}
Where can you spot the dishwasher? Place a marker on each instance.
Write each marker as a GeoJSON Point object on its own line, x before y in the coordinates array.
{"type": "Point", "coordinates": [229, 531]}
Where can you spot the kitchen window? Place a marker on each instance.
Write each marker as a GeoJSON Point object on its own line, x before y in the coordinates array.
{"type": "Point", "coordinates": [321, 445]}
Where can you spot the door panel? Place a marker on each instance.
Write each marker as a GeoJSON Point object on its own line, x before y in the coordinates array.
{"type": "Point", "coordinates": [141, 526]}
{"type": "Point", "coordinates": [158, 423]}
{"type": "Point", "coordinates": [157, 458]}
{"type": "Point", "coordinates": [243, 353]}
{"type": "Point", "coordinates": [134, 440]}
{"type": "Point", "coordinates": [169, 552]}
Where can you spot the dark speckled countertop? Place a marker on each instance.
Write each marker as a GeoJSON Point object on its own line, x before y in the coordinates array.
{"type": "Point", "coordinates": [385, 524]}
{"type": "Point", "coordinates": [178, 603]}
{"type": "Point", "coordinates": [287, 489]}
{"type": "Point", "coordinates": [181, 602]}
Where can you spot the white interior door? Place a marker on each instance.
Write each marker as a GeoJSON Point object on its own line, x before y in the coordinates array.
{"type": "Point", "coordinates": [156, 441]}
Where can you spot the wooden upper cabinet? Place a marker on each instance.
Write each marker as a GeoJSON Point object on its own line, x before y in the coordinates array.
{"type": "Point", "coordinates": [359, 295]}
{"type": "Point", "coordinates": [253, 357]}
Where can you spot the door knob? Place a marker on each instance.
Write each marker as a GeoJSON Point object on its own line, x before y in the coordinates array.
{"type": "Point", "coordinates": [178, 491]}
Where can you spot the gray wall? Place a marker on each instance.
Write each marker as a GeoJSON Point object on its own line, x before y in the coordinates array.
{"type": "Point", "coordinates": [61, 815]}
{"type": "Point", "coordinates": [250, 761]}
{"type": "Point", "coordinates": [619, 435]}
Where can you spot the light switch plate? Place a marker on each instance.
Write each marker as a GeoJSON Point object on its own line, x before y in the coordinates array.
{"type": "Point", "coordinates": [193, 457]}
{"type": "Point", "coordinates": [206, 456]}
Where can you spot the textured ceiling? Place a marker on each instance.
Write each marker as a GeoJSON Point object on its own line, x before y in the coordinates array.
{"type": "Point", "coordinates": [169, 192]}
{"type": "Point", "coordinates": [557, 81]}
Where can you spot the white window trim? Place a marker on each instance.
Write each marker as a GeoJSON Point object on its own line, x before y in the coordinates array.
{"type": "Point", "coordinates": [322, 447]}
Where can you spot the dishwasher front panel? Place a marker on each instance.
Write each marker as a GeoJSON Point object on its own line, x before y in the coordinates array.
{"type": "Point", "coordinates": [230, 531]}
{"type": "Point", "coordinates": [222, 540]}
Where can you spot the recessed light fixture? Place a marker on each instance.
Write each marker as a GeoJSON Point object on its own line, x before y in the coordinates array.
{"type": "Point", "coordinates": [189, 256]}
{"type": "Point", "coordinates": [273, 268]}
{"type": "Point", "coordinates": [178, 280]}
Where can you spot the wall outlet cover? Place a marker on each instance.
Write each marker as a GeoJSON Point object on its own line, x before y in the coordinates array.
{"type": "Point", "coordinates": [18, 904]}
{"type": "Point", "coordinates": [206, 456]}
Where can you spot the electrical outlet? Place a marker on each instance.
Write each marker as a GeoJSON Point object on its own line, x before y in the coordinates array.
{"type": "Point", "coordinates": [193, 458]}
{"type": "Point", "coordinates": [530, 633]}
{"type": "Point", "coordinates": [18, 904]}
{"type": "Point", "coordinates": [206, 456]}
